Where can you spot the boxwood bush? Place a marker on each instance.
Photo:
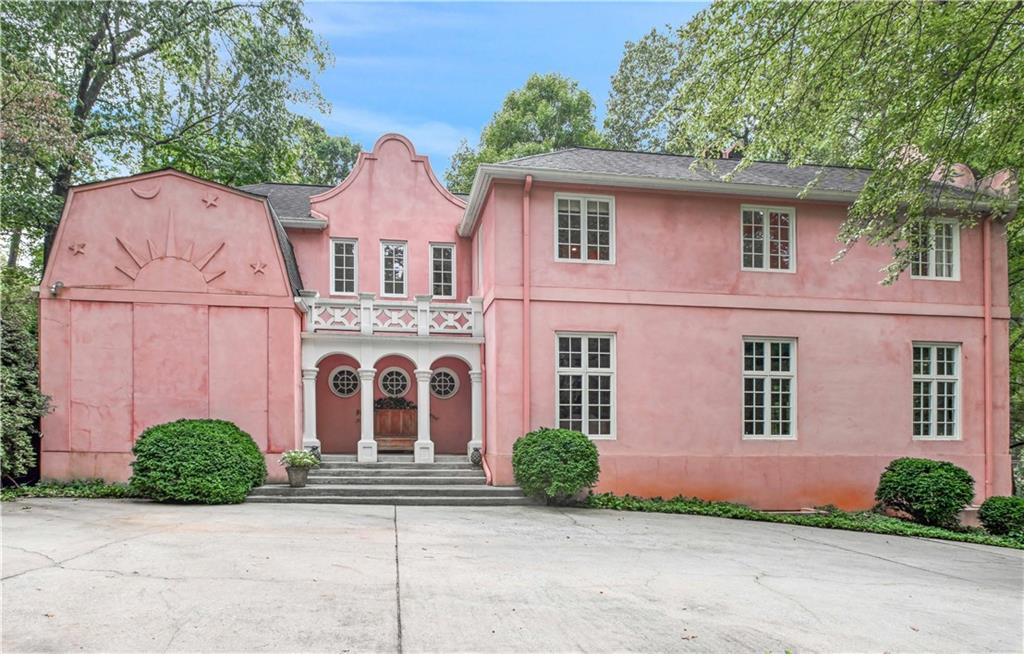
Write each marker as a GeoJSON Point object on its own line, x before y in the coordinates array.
{"type": "Point", "coordinates": [196, 462]}
{"type": "Point", "coordinates": [555, 464]}
{"type": "Point", "coordinates": [930, 492]}
{"type": "Point", "coordinates": [1003, 515]}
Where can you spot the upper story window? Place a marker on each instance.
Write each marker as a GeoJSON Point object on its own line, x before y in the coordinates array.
{"type": "Point", "coordinates": [344, 266]}
{"type": "Point", "coordinates": [936, 378]}
{"type": "Point", "coordinates": [768, 238]}
{"type": "Point", "coordinates": [442, 270]}
{"type": "Point", "coordinates": [394, 264]}
{"type": "Point", "coordinates": [584, 228]}
{"type": "Point", "coordinates": [769, 388]}
{"type": "Point", "coordinates": [585, 371]}
{"type": "Point", "coordinates": [942, 258]}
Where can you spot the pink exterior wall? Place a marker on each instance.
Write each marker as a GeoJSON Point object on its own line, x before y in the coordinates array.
{"type": "Point", "coordinates": [680, 306]}
{"type": "Point", "coordinates": [175, 305]}
{"type": "Point", "coordinates": [391, 194]}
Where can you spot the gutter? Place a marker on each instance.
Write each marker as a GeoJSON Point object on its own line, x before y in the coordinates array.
{"type": "Point", "coordinates": [527, 322]}
{"type": "Point", "coordinates": [987, 277]}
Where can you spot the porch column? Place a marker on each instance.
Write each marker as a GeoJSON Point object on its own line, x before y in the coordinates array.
{"type": "Point", "coordinates": [309, 439]}
{"type": "Point", "coordinates": [366, 452]}
{"type": "Point", "coordinates": [424, 449]}
{"type": "Point", "coordinates": [476, 439]}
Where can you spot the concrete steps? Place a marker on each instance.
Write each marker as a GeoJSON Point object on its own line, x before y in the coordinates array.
{"type": "Point", "coordinates": [394, 480]}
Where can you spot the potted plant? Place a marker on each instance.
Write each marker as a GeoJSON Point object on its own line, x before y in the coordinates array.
{"type": "Point", "coordinates": [298, 463]}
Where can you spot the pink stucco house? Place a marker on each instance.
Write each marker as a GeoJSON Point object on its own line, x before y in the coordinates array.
{"type": "Point", "coordinates": [694, 327]}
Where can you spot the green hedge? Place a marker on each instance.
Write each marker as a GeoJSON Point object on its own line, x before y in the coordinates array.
{"type": "Point", "coordinates": [196, 462]}
{"type": "Point", "coordinates": [1003, 515]}
{"type": "Point", "coordinates": [931, 492]}
{"type": "Point", "coordinates": [555, 464]}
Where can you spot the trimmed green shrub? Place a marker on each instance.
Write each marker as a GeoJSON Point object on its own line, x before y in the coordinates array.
{"type": "Point", "coordinates": [196, 462]}
{"type": "Point", "coordinates": [1003, 515]}
{"type": "Point", "coordinates": [555, 464]}
{"type": "Point", "coordinates": [930, 492]}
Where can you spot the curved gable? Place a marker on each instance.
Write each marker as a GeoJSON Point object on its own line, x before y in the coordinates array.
{"type": "Point", "coordinates": [167, 231]}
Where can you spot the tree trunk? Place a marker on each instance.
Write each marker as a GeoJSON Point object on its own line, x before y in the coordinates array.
{"type": "Point", "coordinates": [13, 248]}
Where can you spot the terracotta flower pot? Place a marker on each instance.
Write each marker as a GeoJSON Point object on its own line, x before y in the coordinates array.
{"type": "Point", "coordinates": [297, 476]}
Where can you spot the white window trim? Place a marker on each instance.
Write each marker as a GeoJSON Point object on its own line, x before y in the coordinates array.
{"type": "Point", "coordinates": [458, 383]}
{"type": "Point", "coordinates": [380, 381]}
{"type": "Point", "coordinates": [933, 377]}
{"type": "Point", "coordinates": [613, 370]}
{"type": "Point", "coordinates": [355, 262]}
{"type": "Point", "coordinates": [792, 238]}
{"type": "Point", "coordinates": [931, 276]}
{"type": "Point", "coordinates": [405, 282]}
{"type": "Point", "coordinates": [455, 291]}
{"type": "Point", "coordinates": [768, 375]}
{"type": "Point", "coordinates": [582, 197]}
{"type": "Point", "coordinates": [330, 381]}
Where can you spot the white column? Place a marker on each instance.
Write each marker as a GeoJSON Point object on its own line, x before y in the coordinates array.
{"type": "Point", "coordinates": [476, 439]}
{"type": "Point", "coordinates": [424, 449]}
{"type": "Point", "coordinates": [309, 439]}
{"type": "Point", "coordinates": [366, 451]}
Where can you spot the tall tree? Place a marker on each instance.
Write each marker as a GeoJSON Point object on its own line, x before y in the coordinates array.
{"type": "Point", "coordinates": [549, 112]}
{"type": "Point", "coordinates": [906, 89]}
{"type": "Point", "coordinates": [205, 82]}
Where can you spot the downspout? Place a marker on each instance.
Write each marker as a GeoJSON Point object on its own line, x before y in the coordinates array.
{"type": "Point", "coordinates": [526, 303]}
{"type": "Point", "coordinates": [987, 257]}
{"type": "Point", "coordinates": [488, 478]}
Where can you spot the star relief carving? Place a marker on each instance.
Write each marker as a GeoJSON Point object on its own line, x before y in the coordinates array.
{"type": "Point", "coordinates": [77, 249]}
{"type": "Point", "coordinates": [258, 267]}
{"type": "Point", "coordinates": [210, 200]}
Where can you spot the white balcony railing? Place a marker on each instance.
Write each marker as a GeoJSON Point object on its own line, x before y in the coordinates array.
{"type": "Point", "coordinates": [368, 315]}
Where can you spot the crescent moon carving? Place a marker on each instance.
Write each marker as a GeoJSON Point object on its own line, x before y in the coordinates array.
{"type": "Point", "coordinates": [146, 192]}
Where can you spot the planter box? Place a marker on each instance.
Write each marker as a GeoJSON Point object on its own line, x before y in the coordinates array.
{"type": "Point", "coordinates": [395, 422]}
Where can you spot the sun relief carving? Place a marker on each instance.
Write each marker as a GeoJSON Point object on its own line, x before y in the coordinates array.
{"type": "Point", "coordinates": [169, 269]}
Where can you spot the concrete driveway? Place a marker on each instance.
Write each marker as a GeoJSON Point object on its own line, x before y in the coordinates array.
{"type": "Point", "coordinates": [95, 575]}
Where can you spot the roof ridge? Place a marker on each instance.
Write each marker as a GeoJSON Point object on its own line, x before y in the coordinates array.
{"type": "Point", "coordinates": [285, 184]}
{"type": "Point", "coordinates": [693, 156]}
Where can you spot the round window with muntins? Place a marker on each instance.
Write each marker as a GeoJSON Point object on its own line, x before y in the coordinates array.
{"type": "Point", "coordinates": [443, 383]}
{"type": "Point", "coordinates": [344, 381]}
{"type": "Point", "coordinates": [394, 382]}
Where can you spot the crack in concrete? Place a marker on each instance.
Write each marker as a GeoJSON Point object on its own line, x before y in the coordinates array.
{"type": "Point", "coordinates": [786, 596]}
{"type": "Point", "coordinates": [398, 584]}
{"type": "Point", "coordinates": [60, 563]}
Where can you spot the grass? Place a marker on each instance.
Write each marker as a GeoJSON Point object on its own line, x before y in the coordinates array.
{"type": "Point", "coordinates": [829, 518]}
{"type": "Point", "coordinates": [81, 488]}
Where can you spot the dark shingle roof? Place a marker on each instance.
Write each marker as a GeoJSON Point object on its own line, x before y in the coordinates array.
{"type": "Point", "coordinates": [671, 166]}
{"type": "Point", "coordinates": [288, 200]}
{"type": "Point", "coordinates": [287, 253]}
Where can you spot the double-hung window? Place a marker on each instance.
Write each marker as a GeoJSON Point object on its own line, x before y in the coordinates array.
{"type": "Point", "coordinates": [769, 388]}
{"type": "Point", "coordinates": [584, 228]}
{"type": "Point", "coordinates": [394, 265]}
{"type": "Point", "coordinates": [585, 372]}
{"type": "Point", "coordinates": [767, 235]}
{"type": "Point", "coordinates": [442, 270]}
{"type": "Point", "coordinates": [936, 375]}
{"type": "Point", "coordinates": [344, 266]}
{"type": "Point", "coordinates": [940, 256]}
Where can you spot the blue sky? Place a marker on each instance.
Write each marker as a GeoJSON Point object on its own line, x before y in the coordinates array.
{"type": "Point", "coordinates": [436, 72]}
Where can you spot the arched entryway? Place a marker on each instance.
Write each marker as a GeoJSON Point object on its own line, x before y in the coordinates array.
{"type": "Point", "coordinates": [337, 404]}
{"type": "Point", "coordinates": [450, 405]}
{"type": "Point", "coordinates": [396, 401]}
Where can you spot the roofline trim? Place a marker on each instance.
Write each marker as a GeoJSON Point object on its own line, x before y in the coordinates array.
{"type": "Point", "coordinates": [487, 173]}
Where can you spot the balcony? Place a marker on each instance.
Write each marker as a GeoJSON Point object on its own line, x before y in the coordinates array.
{"type": "Point", "coordinates": [367, 315]}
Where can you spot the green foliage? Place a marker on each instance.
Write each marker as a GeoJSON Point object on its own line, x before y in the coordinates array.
{"type": "Point", "coordinates": [299, 459]}
{"type": "Point", "coordinates": [206, 86]}
{"type": "Point", "coordinates": [549, 112]}
{"type": "Point", "coordinates": [1003, 515]}
{"type": "Point", "coordinates": [196, 461]}
{"type": "Point", "coordinates": [931, 492]}
{"type": "Point", "coordinates": [831, 519]}
{"type": "Point", "coordinates": [902, 88]}
{"type": "Point", "coordinates": [21, 403]}
{"type": "Point", "coordinates": [78, 488]}
{"type": "Point", "coordinates": [555, 464]}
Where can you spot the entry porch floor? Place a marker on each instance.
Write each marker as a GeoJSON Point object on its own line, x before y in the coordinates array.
{"type": "Point", "coordinates": [131, 576]}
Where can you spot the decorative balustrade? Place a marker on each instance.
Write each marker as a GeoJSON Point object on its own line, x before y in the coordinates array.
{"type": "Point", "coordinates": [368, 315]}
